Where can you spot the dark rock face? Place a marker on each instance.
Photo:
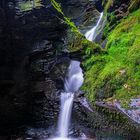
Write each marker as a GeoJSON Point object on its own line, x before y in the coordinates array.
{"type": "Point", "coordinates": [84, 13]}
{"type": "Point", "coordinates": [101, 118]}
{"type": "Point", "coordinates": [33, 64]}
{"type": "Point", "coordinates": [31, 67]}
{"type": "Point", "coordinates": [116, 4]}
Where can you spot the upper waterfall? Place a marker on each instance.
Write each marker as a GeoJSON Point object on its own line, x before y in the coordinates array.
{"type": "Point", "coordinates": [91, 34]}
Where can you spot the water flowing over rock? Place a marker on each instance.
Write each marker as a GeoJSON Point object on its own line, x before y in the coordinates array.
{"type": "Point", "coordinates": [65, 113]}
{"type": "Point", "coordinates": [73, 82]}
{"type": "Point", "coordinates": [91, 34]}
{"type": "Point", "coordinates": [74, 78]}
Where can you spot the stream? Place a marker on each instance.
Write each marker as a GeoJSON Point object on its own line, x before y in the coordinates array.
{"type": "Point", "coordinates": [92, 33]}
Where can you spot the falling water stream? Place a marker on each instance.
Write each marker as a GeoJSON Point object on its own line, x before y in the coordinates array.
{"type": "Point", "coordinates": [91, 34]}
{"type": "Point", "coordinates": [73, 82]}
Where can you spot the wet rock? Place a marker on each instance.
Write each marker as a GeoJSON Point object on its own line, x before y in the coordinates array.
{"type": "Point", "coordinates": [135, 103]}
{"type": "Point", "coordinates": [99, 118]}
{"type": "Point", "coordinates": [46, 87]}
{"type": "Point", "coordinates": [84, 102]}
{"type": "Point", "coordinates": [132, 115]}
{"type": "Point", "coordinates": [104, 43]}
{"type": "Point", "coordinates": [83, 13]}
{"type": "Point", "coordinates": [29, 94]}
{"type": "Point", "coordinates": [80, 94]}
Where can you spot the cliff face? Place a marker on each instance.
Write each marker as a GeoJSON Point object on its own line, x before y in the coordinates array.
{"type": "Point", "coordinates": [36, 43]}
{"type": "Point", "coordinates": [29, 38]}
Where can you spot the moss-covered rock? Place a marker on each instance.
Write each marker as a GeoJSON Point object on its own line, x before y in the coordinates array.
{"type": "Point", "coordinates": [28, 5]}
{"type": "Point", "coordinates": [134, 4]}
{"type": "Point", "coordinates": [75, 41]}
{"type": "Point", "coordinates": [116, 73]}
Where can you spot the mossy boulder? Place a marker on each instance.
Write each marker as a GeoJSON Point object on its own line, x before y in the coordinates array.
{"type": "Point", "coordinates": [74, 40]}
{"type": "Point", "coordinates": [115, 73]}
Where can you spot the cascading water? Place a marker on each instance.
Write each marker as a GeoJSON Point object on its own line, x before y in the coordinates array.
{"type": "Point", "coordinates": [91, 34]}
{"type": "Point", "coordinates": [65, 113]}
{"type": "Point", "coordinates": [73, 82]}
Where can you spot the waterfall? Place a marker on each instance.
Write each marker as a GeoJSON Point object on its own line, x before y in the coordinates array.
{"type": "Point", "coordinates": [91, 34]}
{"type": "Point", "coordinates": [65, 113]}
{"type": "Point", "coordinates": [73, 82]}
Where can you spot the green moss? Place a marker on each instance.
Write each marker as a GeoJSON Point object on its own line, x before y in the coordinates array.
{"type": "Point", "coordinates": [112, 21]}
{"type": "Point", "coordinates": [108, 4]}
{"type": "Point", "coordinates": [67, 20]}
{"type": "Point", "coordinates": [28, 5]}
{"type": "Point", "coordinates": [57, 6]}
{"type": "Point", "coordinates": [116, 73]}
{"type": "Point", "coordinates": [75, 40]}
{"type": "Point", "coordinates": [134, 4]}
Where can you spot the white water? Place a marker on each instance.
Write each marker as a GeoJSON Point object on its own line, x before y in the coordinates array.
{"type": "Point", "coordinates": [91, 34]}
{"type": "Point", "coordinates": [65, 113]}
{"type": "Point", "coordinates": [73, 82]}
{"type": "Point", "coordinates": [74, 79]}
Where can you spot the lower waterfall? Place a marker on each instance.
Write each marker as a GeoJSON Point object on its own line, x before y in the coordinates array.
{"type": "Point", "coordinates": [73, 82]}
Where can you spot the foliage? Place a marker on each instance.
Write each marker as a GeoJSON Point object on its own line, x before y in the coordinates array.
{"type": "Point", "coordinates": [28, 5]}
{"type": "Point", "coordinates": [134, 4]}
{"type": "Point", "coordinates": [108, 4]}
{"type": "Point", "coordinates": [57, 6]}
{"type": "Point", "coordinates": [75, 40]}
{"type": "Point", "coordinates": [67, 20]}
{"type": "Point", "coordinates": [111, 22]}
{"type": "Point", "coordinates": [116, 72]}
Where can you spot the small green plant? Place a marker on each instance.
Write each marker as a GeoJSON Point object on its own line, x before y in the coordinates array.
{"type": "Point", "coordinates": [67, 20]}
{"type": "Point", "coordinates": [134, 5]}
{"type": "Point", "coordinates": [57, 6]}
{"type": "Point", "coordinates": [29, 5]}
